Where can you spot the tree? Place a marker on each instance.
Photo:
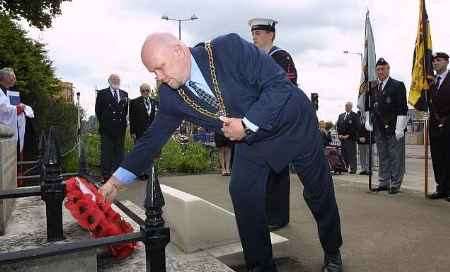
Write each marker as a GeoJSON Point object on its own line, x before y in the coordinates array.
{"type": "Point", "coordinates": [38, 13]}
{"type": "Point", "coordinates": [36, 82]}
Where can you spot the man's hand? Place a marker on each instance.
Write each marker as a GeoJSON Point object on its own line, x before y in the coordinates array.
{"type": "Point", "coordinates": [110, 188]}
{"type": "Point", "coordinates": [362, 139]}
{"type": "Point", "coordinates": [20, 108]}
{"type": "Point", "coordinates": [232, 128]}
{"type": "Point", "coordinates": [368, 126]}
{"type": "Point", "coordinates": [399, 134]}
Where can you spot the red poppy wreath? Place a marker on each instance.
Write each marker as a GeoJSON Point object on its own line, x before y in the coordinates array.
{"type": "Point", "coordinates": [95, 214]}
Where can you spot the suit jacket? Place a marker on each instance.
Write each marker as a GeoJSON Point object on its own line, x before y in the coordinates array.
{"type": "Point", "coordinates": [440, 104]}
{"type": "Point", "coordinates": [111, 115]}
{"type": "Point", "coordinates": [349, 125]}
{"type": "Point", "coordinates": [252, 86]}
{"type": "Point", "coordinates": [387, 104]}
{"type": "Point", "coordinates": [140, 120]}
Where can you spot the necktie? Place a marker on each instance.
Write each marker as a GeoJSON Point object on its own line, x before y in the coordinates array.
{"type": "Point", "coordinates": [438, 82]}
{"type": "Point", "coordinates": [116, 97]}
{"type": "Point", "coordinates": [345, 117]}
{"type": "Point", "coordinates": [209, 99]}
{"type": "Point", "coordinates": [147, 105]}
{"type": "Point", "coordinates": [380, 87]}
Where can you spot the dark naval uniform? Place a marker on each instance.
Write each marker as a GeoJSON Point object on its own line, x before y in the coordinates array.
{"type": "Point", "coordinates": [278, 186]}
{"type": "Point", "coordinates": [387, 104]}
{"type": "Point", "coordinates": [111, 112]}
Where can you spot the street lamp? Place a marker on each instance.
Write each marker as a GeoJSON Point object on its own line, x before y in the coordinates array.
{"type": "Point", "coordinates": [179, 20]}
{"type": "Point", "coordinates": [354, 53]}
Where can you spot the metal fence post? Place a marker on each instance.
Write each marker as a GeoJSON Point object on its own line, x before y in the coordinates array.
{"type": "Point", "coordinates": [53, 188]}
{"type": "Point", "coordinates": [157, 236]}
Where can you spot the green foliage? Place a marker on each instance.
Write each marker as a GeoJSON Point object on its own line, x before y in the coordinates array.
{"type": "Point", "coordinates": [187, 158]}
{"type": "Point", "coordinates": [175, 158]}
{"type": "Point", "coordinates": [38, 13]}
{"type": "Point", "coordinates": [37, 82]}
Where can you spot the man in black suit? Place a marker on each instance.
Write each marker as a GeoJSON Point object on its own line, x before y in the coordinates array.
{"type": "Point", "coordinates": [111, 109]}
{"type": "Point", "coordinates": [390, 111]}
{"type": "Point", "coordinates": [142, 112]}
{"type": "Point", "coordinates": [347, 129]}
{"type": "Point", "coordinates": [440, 127]}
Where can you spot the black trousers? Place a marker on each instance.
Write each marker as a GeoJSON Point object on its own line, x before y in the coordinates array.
{"type": "Point", "coordinates": [440, 155]}
{"type": "Point", "coordinates": [112, 154]}
{"type": "Point", "coordinates": [349, 153]}
{"type": "Point", "coordinates": [248, 187]}
{"type": "Point", "coordinates": [278, 190]}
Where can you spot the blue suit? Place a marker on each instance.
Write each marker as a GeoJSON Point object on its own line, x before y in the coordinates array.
{"type": "Point", "coordinates": [254, 86]}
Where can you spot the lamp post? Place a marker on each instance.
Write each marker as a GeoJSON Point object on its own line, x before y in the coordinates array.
{"type": "Point", "coordinates": [354, 53]}
{"type": "Point", "coordinates": [179, 20]}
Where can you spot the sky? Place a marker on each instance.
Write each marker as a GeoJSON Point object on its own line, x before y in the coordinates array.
{"type": "Point", "coordinates": [92, 39]}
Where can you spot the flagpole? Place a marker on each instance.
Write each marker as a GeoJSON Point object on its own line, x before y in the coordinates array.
{"type": "Point", "coordinates": [369, 93]}
{"type": "Point", "coordinates": [426, 126]}
{"type": "Point", "coordinates": [426, 147]}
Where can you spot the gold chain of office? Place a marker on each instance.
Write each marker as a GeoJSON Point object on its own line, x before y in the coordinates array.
{"type": "Point", "coordinates": [212, 68]}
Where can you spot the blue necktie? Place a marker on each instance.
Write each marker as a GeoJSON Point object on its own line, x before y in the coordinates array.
{"type": "Point", "coordinates": [209, 99]}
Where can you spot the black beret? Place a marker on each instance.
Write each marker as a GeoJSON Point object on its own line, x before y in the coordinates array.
{"type": "Point", "coordinates": [381, 61]}
{"type": "Point", "coordinates": [441, 55]}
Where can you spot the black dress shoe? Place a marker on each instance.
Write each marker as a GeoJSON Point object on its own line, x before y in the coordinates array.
{"type": "Point", "coordinates": [363, 173]}
{"type": "Point", "coordinates": [448, 198]}
{"type": "Point", "coordinates": [394, 190]}
{"type": "Point", "coordinates": [437, 195]}
{"type": "Point", "coordinates": [332, 263]}
{"type": "Point", "coordinates": [381, 188]}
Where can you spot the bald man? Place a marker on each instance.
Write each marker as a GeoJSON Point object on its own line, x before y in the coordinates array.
{"type": "Point", "coordinates": [228, 85]}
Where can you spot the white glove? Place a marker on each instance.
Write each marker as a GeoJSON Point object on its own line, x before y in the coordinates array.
{"type": "Point", "coordinates": [367, 124]}
{"type": "Point", "coordinates": [400, 126]}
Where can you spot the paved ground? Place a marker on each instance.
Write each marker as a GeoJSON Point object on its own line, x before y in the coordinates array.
{"type": "Point", "coordinates": [381, 232]}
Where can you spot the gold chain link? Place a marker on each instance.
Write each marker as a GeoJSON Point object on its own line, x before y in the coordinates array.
{"type": "Point", "coordinates": [222, 111]}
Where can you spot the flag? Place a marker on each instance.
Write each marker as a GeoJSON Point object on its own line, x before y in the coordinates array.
{"type": "Point", "coordinates": [422, 71]}
{"type": "Point", "coordinates": [368, 62]}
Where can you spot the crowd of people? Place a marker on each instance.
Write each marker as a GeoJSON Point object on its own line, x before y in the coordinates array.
{"type": "Point", "coordinates": [247, 94]}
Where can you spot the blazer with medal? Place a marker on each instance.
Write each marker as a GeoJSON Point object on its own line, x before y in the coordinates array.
{"type": "Point", "coordinates": [111, 116]}
{"type": "Point", "coordinates": [349, 125]}
{"type": "Point", "coordinates": [440, 103]}
{"type": "Point", "coordinates": [252, 85]}
{"type": "Point", "coordinates": [388, 104]}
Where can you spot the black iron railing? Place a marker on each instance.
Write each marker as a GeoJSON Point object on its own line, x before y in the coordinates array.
{"type": "Point", "coordinates": [153, 231]}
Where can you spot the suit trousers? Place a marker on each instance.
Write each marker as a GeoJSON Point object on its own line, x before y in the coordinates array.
{"type": "Point", "coordinates": [278, 190]}
{"type": "Point", "coordinates": [112, 153]}
{"type": "Point", "coordinates": [391, 161]}
{"type": "Point", "coordinates": [349, 153]}
{"type": "Point", "coordinates": [248, 193]}
{"type": "Point", "coordinates": [440, 155]}
{"type": "Point", "coordinates": [364, 156]}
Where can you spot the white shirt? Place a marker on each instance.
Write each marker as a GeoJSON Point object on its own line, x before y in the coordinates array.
{"type": "Point", "coordinates": [442, 76]}
{"type": "Point", "coordinates": [383, 83]}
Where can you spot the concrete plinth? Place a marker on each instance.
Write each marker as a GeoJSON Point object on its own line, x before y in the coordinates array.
{"type": "Point", "coordinates": [8, 177]}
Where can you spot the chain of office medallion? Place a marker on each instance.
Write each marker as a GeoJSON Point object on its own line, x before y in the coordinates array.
{"type": "Point", "coordinates": [215, 83]}
{"type": "Point", "coordinates": [216, 90]}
